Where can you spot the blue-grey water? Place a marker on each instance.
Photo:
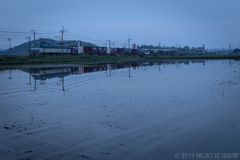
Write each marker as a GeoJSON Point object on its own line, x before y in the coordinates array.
{"type": "Point", "coordinates": [185, 109]}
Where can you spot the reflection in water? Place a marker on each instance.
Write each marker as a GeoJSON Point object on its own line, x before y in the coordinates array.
{"type": "Point", "coordinates": [30, 78]}
{"type": "Point", "coordinates": [42, 74]}
{"type": "Point", "coordinates": [129, 69]}
{"type": "Point", "coordinates": [168, 100]}
{"type": "Point", "coordinates": [48, 73]}
{"type": "Point", "coordinates": [62, 80]}
{"type": "Point", "coordinates": [10, 76]}
{"type": "Point", "coordinates": [35, 85]}
{"type": "Point", "coordinates": [109, 69]}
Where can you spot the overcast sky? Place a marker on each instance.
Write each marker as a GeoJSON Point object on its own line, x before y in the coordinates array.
{"type": "Point", "coordinates": [215, 23]}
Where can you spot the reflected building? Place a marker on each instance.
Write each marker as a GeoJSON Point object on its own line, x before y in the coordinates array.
{"type": "Point", "coordinates": [47, 73]}
{"type": "Point", "coordinates": [42, 74]}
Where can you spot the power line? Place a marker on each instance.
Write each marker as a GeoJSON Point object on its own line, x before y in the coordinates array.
{"type": "Point", "coordinates": [14, 28]}
{"type": "Point", "coordinates": [47, 33]}
{"type": "Point", "coordinates": [34, 34]}
{"type": "Point", "coordinates": [19, 34]}
{"type": "Point", "coordinates": [93, 32]}
{"type": "Point", "coordinates": [85, 38]}
{"type": "Point", "coordinates": [13, 32]}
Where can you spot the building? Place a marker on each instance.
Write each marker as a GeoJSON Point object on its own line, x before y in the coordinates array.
{"type": "Point", "coordinates": [200, 49]}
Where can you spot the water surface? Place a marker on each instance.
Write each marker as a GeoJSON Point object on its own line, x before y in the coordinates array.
{"type": "Point", "coordinates": [150, 110]}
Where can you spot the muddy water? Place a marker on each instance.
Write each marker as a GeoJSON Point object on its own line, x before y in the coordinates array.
{"type": "Point", "coordinates": [152, 110]}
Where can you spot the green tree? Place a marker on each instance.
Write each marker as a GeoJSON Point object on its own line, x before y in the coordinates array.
{"type": "Point", "coordinates": [186, 48]}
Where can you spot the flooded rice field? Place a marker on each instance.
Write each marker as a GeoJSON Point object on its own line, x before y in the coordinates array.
{"type": "Point", "coordinates": [151, 110]}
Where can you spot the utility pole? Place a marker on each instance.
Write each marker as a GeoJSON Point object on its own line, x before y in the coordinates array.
{"type": "Point", "coordinates": [109, 47]}
{"type": "Point", "coordinates": [159, 46]}
{"type": "Point", "coordinates": [33, 34]}
{"type": "Point", "coordinates": [109, 43]}
{"type": "Point", "coordinates": [129, 45]}
{"type": "Point", "coordinates": [10, 42]}
{"type": "Point", "coordinates": [113, 44]}
{"type": "Point", "coordinates": [230, 47]}
{"type": "Point", "coordinates": [29, 44]}
{"type": "Point", "coordinates": [62, 31]}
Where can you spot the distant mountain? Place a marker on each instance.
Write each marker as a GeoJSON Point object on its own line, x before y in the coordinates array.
{"type": "Point", "coordinates": [23, 49]}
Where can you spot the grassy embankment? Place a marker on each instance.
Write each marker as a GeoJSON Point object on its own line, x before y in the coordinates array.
{"type": "Point", "coordinates": [88, 59]}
